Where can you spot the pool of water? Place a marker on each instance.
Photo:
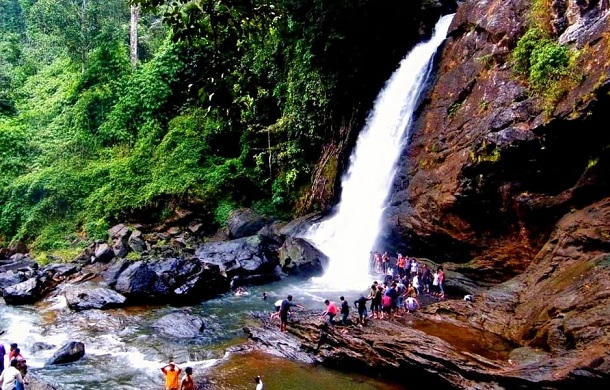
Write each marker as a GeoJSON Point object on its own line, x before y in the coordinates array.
{"type": "Point", "coordinates": [472, 340]}
{"type": "Point", "coordinates": [238, 372]}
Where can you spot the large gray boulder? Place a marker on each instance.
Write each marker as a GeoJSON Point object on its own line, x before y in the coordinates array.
{"type": "Point", "coordinates": [178, 280]}
{"type": "Point", "coordinates": [244, 223]}
{"type": "Point", "coordinates": [245, 256]}
{"type": "Point", "coordinates": [18, 263]}
{"type": "Point", "coordinates": [89, 296]}
{"type": "Point", "coordinates": [69, 353]}
{"type": "Point", "coordinates": [299, 257]}
{"type": "Point", "coordinates": [181, 324]}
{"type": "Point", "coordinates": [119, 234]}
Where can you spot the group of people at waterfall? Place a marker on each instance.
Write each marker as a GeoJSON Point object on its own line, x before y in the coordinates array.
{"type": "Point", "coordinates": [409, 270]}
{"type": "Point", "coordinates": [13, 376]}
{"type": "Point", "coordinates": [397, 295]}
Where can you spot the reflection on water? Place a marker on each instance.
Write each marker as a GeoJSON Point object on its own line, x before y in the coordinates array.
{"type": "Point", "coordinates": [238, 373]}
{"type": "Point", "coordinates": [124, 352]}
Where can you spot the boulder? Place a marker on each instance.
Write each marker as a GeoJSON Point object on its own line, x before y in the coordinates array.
{"type": "Point", "coordinates": [18, 263]}
{"type": "Point", "coordinates": [245, 222]}
{"type": "Point", "coordinates": [10, 278]}
{"type": "Point", "coordinates": [181, 325]}
{"type": "Point", "coordinates": [26, 292]}
{"type": "Point", "coordinates": [69, 353]}
{"type": "Point", "coordinates": [177, 280]}
{"type": "Point", "coordinates": [299, 257]}
{"type": "Point", "coordinates": [244, 256]}
{"type": "Point", "coordinates": [36, 382]}
{"type": "Point", "coordinates": [17, 247]}
{"type": "Point", "coordinates": [136, 242]}
{"type": "Point", "coordinates": [89, 296]}
{"type": "Point", "coordinates": [103, 253]}
{"type": "Point", "coordinates": [119, 234]}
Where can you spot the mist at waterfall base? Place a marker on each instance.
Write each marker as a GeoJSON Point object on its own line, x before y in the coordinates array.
{"type": "Point", "coordinates": [348, 237]}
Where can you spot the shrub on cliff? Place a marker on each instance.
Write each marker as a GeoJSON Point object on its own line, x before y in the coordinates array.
{"type": "Point", "coordinates": [547, 65]}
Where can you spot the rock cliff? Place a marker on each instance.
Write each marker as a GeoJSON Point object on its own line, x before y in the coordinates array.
{"type": "Point", "coordinates": [512, 189]}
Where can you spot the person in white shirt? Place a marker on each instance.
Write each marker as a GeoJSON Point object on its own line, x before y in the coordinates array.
{"type": "Point", "coordinates": [10, 376]}
{"type": "Point", "coordinates": [259, 382]}
{"type": "Point", "coordinates": [411, 305]}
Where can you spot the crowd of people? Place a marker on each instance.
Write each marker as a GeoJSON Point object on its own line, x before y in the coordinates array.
{"type": "Point", "coordinates": [13, 376]}
{"type": "Point", "coordinates": [404, 280]}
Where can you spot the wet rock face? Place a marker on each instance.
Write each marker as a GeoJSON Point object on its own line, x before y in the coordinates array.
{"type": "Point", "coordinates": [245, 222]}
{"type": "Point", "coordinates": [491, 168]}
{"type": "Point", "coordinates": [89, 296]}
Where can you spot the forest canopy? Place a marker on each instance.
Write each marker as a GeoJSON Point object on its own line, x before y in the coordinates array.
{"type": "Point", "coordinates": [214, 105]}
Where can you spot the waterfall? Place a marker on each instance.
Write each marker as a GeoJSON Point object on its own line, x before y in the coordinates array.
{"type": "Point", "coordinates": [347, 238]}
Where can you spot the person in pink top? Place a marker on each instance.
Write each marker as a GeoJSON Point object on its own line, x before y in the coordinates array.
{"type": "Point", "coordinates": [330, 312]}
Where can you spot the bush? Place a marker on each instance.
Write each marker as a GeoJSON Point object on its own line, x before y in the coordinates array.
{"type": "Point", "coordinates": [522, 53]}
{"type": "Point", "coordinates": [548, 63]}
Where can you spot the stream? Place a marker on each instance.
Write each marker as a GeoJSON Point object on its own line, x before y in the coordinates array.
{"type": "Point", "coordinates": [123, 351]}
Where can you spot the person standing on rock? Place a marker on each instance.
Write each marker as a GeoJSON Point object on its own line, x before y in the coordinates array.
{"type": "Point", "coordinates": [172, 376]}
{"type": "Point", "coordinates": [284, 309]}
{"type": "Point", "coordinates": [385, 259]}
{"type": "Point", "coordinates": [259, 382]}
{"type": "Point", "coordinates": [344, 310]}
{"type": "Point", "coordinates": [415, 283]}
{"type": "Point", "coordinates": [441, 281]}
{"type": "Point", "coordinates": [378, 294]}
{"type": "Point", "coordinates": [360, 304]}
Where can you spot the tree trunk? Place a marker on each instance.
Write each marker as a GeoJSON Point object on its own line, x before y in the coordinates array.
{"type": "Point", "coordinates": [133, 34]}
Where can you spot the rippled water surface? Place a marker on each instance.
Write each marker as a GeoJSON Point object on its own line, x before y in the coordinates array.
{"type": "Point", "coordinates": [124, 352]}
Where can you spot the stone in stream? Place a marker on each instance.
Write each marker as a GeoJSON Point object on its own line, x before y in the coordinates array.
{"type": "Point", "coordinates": [182, 324]}
{"type": "Point", "coordinates": [69, 353]}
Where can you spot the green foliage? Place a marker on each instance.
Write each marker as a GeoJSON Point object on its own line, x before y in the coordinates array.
{"type": "Point", "coordinates": [526, 45]}
{"type": "Point", "coordinates": [144, 98]}
{"type": "Point", "coordinates": [548, 66]}
{"type": "Point", "coordinates": [222, 212]}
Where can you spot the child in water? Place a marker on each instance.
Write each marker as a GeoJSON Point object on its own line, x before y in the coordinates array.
{"type": "Point", "coordinates": [187, 382]}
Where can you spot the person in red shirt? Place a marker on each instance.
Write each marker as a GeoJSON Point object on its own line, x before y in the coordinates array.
{"type": "Point", "coordinates": [172, 375]}
{"type": "Point", "coordinates": [330, 312]}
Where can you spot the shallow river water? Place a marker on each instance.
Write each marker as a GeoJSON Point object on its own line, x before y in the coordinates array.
{"type": "Point", "coordinates": [123, 351]}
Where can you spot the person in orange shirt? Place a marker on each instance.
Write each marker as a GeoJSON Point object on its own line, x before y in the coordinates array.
{"type": "Point", "coordinates": [172, 375]}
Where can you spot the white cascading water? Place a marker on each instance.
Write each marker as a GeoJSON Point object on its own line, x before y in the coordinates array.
{"type": "Point", "coordinates": [348, 237]}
